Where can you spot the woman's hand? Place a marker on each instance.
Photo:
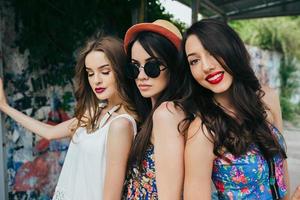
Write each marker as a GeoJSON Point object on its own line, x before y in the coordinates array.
{"type": "Point", "coordinates": [3, 101]}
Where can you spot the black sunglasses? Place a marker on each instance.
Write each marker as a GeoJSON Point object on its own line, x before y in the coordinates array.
{"type": "Point", "coordinates": [151, 69]}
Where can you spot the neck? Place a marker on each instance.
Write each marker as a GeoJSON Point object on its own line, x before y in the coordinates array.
{"type": "Point", "coordinates": [113, 101]}
{"type": "Point", "coordinates": [153, 101]}
{"type": "Point", "coordinates": [224, 100]}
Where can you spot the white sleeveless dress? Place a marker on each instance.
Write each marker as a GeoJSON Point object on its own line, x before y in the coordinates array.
{"type": "Point", "coordinates": [83, 172]}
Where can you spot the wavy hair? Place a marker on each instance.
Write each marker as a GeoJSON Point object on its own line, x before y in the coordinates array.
{"type": "Point", "coordinates": [87, 110]}
{"type": "Point", "coordinates": [249, 125]}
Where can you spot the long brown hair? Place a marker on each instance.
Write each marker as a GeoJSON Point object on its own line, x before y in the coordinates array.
{"type": "Point", "coordinates": [87, 110]}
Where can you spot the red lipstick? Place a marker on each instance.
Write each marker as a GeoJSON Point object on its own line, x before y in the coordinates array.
{"type": "Point", "coordinates": [215, 77]}
{"type": "Point", "coordinates": [99, 90]}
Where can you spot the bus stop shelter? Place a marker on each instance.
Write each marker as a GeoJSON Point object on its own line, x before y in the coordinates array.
{"type": "Point", "coordinates": [242, 9]}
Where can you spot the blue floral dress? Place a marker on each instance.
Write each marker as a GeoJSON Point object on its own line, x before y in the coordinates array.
{"type": "Point", "coordinates": [247, 176]}
{"type": "Point", "coordinates": [142, 184]}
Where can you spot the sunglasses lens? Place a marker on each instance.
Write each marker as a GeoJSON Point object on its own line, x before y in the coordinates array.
{"type": "Point", "coordinates": [132, 71]}
{"type": "Point", "coordinates": [152, 68]}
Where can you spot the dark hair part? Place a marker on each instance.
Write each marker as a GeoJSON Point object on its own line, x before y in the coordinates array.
{"type": "Point", "coordinates": [249, 125]}
{"type": "Point", "coordinates": [178, 90]}
{"type": "Point", "coordinates": [87, 110]}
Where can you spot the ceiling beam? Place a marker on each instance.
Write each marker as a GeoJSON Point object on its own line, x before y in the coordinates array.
{"type": "Point", "coordinates": [262, 7]}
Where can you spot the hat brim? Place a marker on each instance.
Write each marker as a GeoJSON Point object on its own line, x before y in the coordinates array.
{"type": "Point", "coordinates": [135, 29]}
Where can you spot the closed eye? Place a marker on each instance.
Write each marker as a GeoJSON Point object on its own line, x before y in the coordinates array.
{"type": "Point", "coordinates": [105, 72]}
{"type": "Point", "coordinates": [90, 74]}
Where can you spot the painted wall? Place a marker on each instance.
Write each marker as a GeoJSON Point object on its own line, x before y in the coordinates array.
{"type": "Point", "coordinates": [32, 164]}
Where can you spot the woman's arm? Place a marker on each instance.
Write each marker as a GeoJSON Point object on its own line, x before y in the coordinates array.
{"type": "Point", "coordinates": [168, 151]}
{"type": "Point", "coordinates": [199, 159]}
{"type": "Point", "coordinates": [271, 99]}
{"type": "Point", "coordinates": [42, 129]}
{"type": "Point", "coordinates": [296, 195]}
{"type": "Point", "coordinates": [120, 137]}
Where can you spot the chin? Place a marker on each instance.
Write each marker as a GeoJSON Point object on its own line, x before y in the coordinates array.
{"type": "Point", "coordinates": [221, 90]}
{"type": "Point", "coordinates": [102, 96]}
{"type": "Point", "coordinates": [147, 94]}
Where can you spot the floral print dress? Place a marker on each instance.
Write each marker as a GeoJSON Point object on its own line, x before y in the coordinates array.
{"type": "Point", "coordinates": [142, 184]}
{"type": "Point", "coordinates": [247, 176]}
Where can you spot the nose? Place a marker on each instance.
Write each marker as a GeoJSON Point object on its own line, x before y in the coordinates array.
{"type": "Point", "coordinates": [142, 75]}
{"type": "Point", "coordinates": [97, 79]}
{"type": "Point", "coordinates": [207, 65]}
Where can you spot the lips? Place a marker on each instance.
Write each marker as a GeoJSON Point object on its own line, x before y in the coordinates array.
{"type": "Point", "coordinates": [99, 90]}
{"type": "Point", "coordinates": [215, 78]}
{"type": "Point", "coordinates": [144, 87]}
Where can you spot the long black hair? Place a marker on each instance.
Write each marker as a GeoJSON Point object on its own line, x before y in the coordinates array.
{"type": "Point", "coordinates": [178, 90]}
{"type": "Point", "coordinates": [245, 93]}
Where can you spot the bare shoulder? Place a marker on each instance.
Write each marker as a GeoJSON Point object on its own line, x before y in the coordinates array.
{"type": "Point", "coordinates": [121, 124]}
{"type": "Point", "coordinates": [168, 111]}
{"type": "Point", "coordinates": [197, 131]}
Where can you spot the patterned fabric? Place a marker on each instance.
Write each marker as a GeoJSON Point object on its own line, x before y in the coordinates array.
{"type": "Point", "coordinates": [142, 184]}
{"type": "Point", "coordinates": [247, 176]}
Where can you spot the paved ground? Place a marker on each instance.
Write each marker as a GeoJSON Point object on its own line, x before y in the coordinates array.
{"type": "Point", "coordinates": [292, 138]}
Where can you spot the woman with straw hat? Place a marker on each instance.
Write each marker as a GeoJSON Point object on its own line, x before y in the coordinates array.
{"type": "Point", "coordinates": [158, 87]}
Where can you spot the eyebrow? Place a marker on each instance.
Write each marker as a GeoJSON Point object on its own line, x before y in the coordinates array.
{"type": "Point", "coordinates": [150, 58]}
{"type": "Point", "coordinates": [191, 54]}
{"type": "Point", "coordinates": [100, 67]}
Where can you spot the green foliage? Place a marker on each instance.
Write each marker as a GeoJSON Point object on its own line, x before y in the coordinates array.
{"type": "Point", "coordinates": [287, 108]}
{"type": "Point", "coordinates": [288, 78]}
{"type": "Point", "coordinates": [53, 30]}
{"type": "Point", "coordinates": [156, 11]}
{"type": "Point", "coordinates": [281, 34]}
{"type": "Point", "coordinates": [289, 85]}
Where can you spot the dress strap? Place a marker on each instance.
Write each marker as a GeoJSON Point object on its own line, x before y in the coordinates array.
{"type": "Point", "coordinates": [108, 114]}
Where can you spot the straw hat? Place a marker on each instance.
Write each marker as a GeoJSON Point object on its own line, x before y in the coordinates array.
{"type": "Point", "coordinates": [160, 26]}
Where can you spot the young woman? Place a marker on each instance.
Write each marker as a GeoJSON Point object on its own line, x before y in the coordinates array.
{"type": "Point", "coordinates": [235, 138]}
{"type": "Point", "coordinates": [102, 133]}
{"type": "Point", "coordinates": [156, 165]}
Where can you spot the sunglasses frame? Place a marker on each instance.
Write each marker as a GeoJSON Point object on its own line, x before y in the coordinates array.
{"type": "Point", "coordinates": [134, 74]}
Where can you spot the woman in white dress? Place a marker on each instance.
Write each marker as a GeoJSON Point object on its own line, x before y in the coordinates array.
{"type": "Point", "coordinates": [101, 130]}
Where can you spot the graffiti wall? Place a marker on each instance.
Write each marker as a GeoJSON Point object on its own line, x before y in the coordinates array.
{"type": "Point", "coordinates": [33, 164]}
